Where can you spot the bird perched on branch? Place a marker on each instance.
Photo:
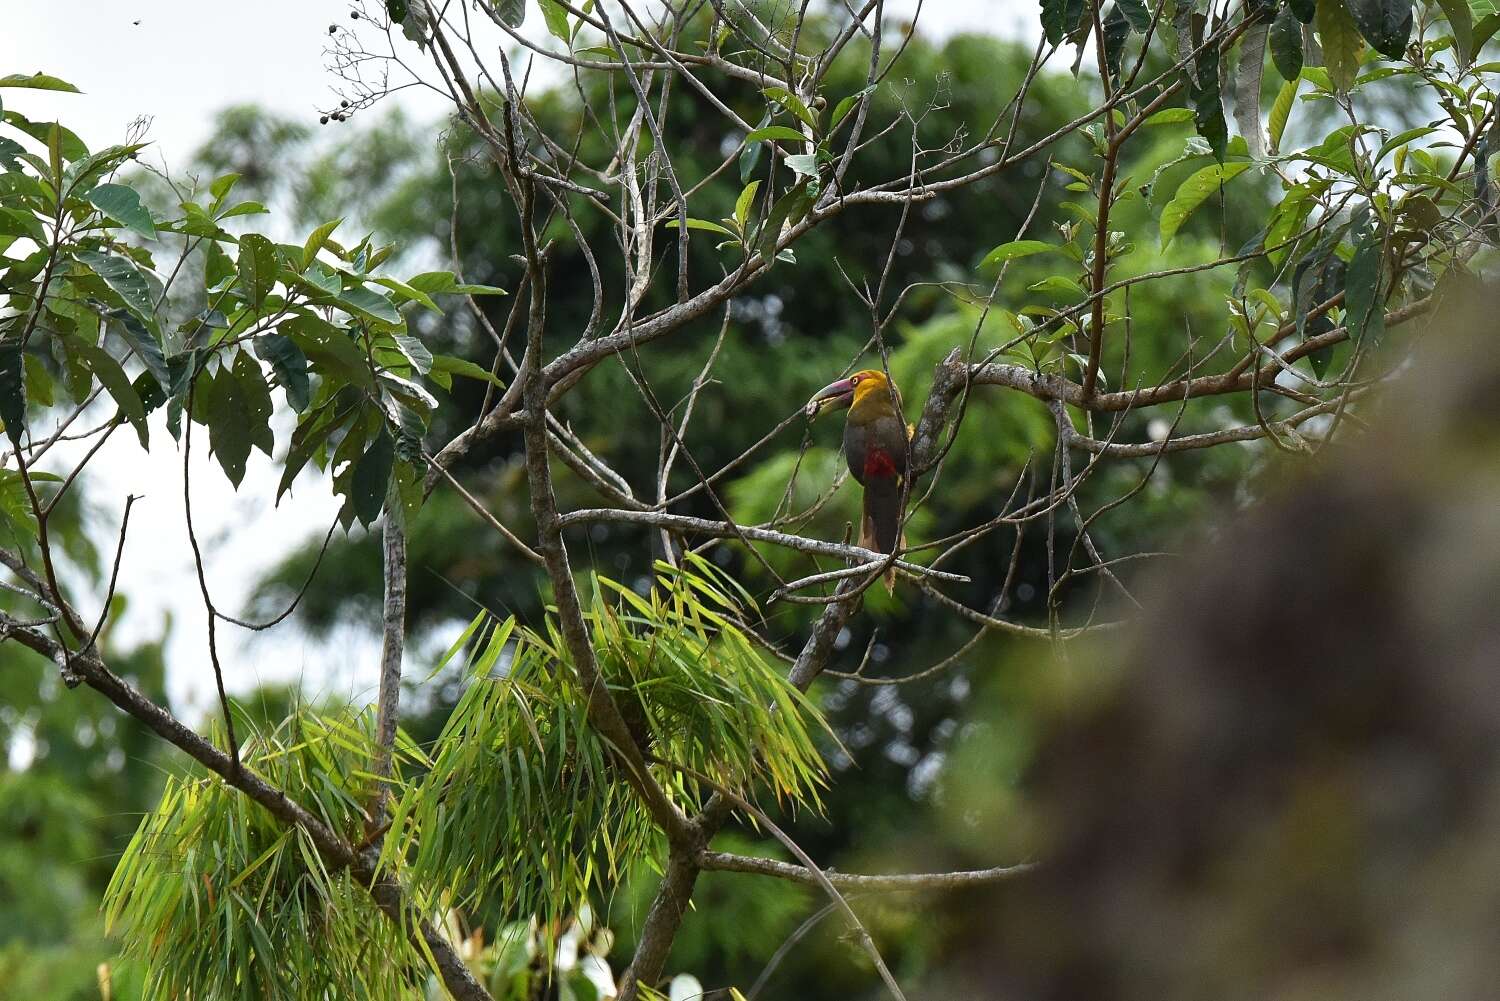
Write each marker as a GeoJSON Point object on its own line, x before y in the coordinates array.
{"type": "Point", "coordinates": [876, 443]}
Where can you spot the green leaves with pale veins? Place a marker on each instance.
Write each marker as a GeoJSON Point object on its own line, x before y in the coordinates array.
{"type": "Point", "coordinates": [1193, 192]}
{"type": "Point", "coordinates": [121, 275]}
{"type": "Point", "coordinates": [115, 382]}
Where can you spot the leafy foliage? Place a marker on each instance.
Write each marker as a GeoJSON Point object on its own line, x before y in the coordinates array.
{"type": "Point", "coordinates": [219, 899]}
{"type": "Point", "coordinates": [523, 805]}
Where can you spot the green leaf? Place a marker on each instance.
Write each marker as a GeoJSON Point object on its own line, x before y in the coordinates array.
{"type": "Point", "coordinates": [557, 20]}
{"type": "Point", "coordinates": [1484, 30]}
{"type": "Point", "coordinates": [1060, 18]}
{"type": "Point", "coordinates": [803, 164]}
{"type": "Point", "coordinates": [317, 240]}
{"type": "Point", "coordinates": [290, 366]}
{"type": "Point", "coordinates": [38, 81]}
{"type": "Point", "coordinates": [257, 268]}
{"type": "Point", "coordinates": [407, 293]}
{"type": "Point", "coordinates": [1136, 13]}
{"type": "Point", "coordinates": [1461, 23]}
{"type": "Point", "coordinates": [776, 132]}
{"type": "Point", "coordinates": [255, 399]}
{"type": "Point", "coordinates": [1341, 41]}
{"type": "Point", "coordinates": [121, 275]}
{"type": "Point", "coordinates": [1287, 45]}
{"type": "Point", "coordinates": [372, 473]}
{"type": "Point", "coordinates": [1401, 139]}
{"type": "Point", "coordinates": [1386, 24]}
{"type": "Point", "coordinates": [12, 392]}
{"type": "Point", "coordinates": [1170, 116]}
{"type": "Point", "coordinates": [1193, 192]}
{"type": "Point", "coordinates": [1018, 248]}
{"type": "Point", "coordinates": [243, 208]}
{"type": "Point", "coordinates": [147, 348]}
{"type": "Point", "coordinates": [842, 109]}
{"type": "Point", "coordinates": [792, 103]}
{"type": "Point", "coordinates": [452, 365]}
{"type": "Point", "coordinates": [122, 204]}
{"type": "Point", "coordinates": [114, 380]}
{"type": "Point", "coordinates": [743, 202]}
{"type": "Point", "coordinates": [368, 303]}
{"type": "Point", "coordinates": [1208, 109]}
{"type": "Point", "coordinates": [1363, 303]}
{"type": "Point", "coordinates": [703, 224]}
{"type": "Point", "coordinates": [221, 187]}
{"type": "Point", "coordinates": [1281, 111]}
{"type": "Point", "coordinates": [511, 12]}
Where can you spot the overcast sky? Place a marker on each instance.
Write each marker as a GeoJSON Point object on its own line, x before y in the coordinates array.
{"type": "Point", "coordinates": [178, 63]}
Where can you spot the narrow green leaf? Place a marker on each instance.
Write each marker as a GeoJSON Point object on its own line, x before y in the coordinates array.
{"type": "Point", "coordinates": [703, 224]}
{"type": "Point", "coordinates": [782, 132]}
{"type": "Point", "coordinates": [743, 202]}
{"type": "Point", "coordinates": [1193, 192]}
{"type": "Point", "coordinates": [1018, 248]}
{"type": "Point", "coordinates": [368, 303]}
{"type": "Point", "coordinates": [842, 109]}
{"type": "Point", "coordinates": [115, 382]}
{"type": "Point", "coordinates": [1136, 13]}
{"type": "Point", "coordinates": [1170, 116]}
{"type": "Point", "coordinates": [1461, 23]}
{"type": "Point", "coordinates": [317, 240]}
{"type": "Point", "coordinates": [12, 392]}
{"type": "Point", "coordinates": [38, 81]}
{"type": "Point", "coordinates": [791, 102]}
{"type": "Point", "coordinates": [1281, 111]}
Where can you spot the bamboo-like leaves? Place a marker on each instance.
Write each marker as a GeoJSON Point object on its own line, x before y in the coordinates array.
{"type": "Point", "coordinates": [221, 900]}
{"type": "Point", "coordinates": [525, 805]}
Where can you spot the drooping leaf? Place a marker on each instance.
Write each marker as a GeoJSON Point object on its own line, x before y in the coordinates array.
{"type": "Point", "coordinates": [1247, 88]}
{"type": "Point", "coordinates": [450, 365]}
{"type": "Point", "coordinates": [257, 268]}
{"type": "Point", "coordinates": [557, 20]}
{"type": "Point", "coordinates": [1116, 32]}
{"type": "Point", "coordinates": [1287, 45]}
{"type": "Point", "coordinates": [147, 348]}
{"type": "Point", "coordinates": [782, 132]}
{"type": "Point", "coordinates": [115, 382]}
{"type": "Point", "coordinates": [1136, 13]}
{"type": "Point", "coordinates": [372, 473]}
{"type": "Point", "coordinates": [846, 105]}
{"type": "Point", "coordinates": [12, 392]}
{"type": "Point", "coordinates": [1193, 192]}
{"type": "Point", "coordinates": [702, 224]}
{"type": "Point", "coordinates": [122, 204]}
{"type": "Point", "coordinates": [1208, 108]}
{"type": "Point", "coordinates": [1341, 41]}
{"type": "Point", "coordinates": [290, 366]}
{"type": "Point", "coordinates": [1363, 302]}
{"type": "Point", "coordinates": [1461, 23]}
{"type": "Point", "coordinates": [1386, 24]}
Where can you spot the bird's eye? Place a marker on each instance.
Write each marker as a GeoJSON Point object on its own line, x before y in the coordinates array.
{"type": "Point", "coordinates": [854, 381]}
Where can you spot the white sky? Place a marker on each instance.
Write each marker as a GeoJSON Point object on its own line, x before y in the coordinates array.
{"type": "Point", "coordinates": [179, 62]}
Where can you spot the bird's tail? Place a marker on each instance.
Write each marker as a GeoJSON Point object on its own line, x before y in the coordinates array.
{"type": "Point", "coordinates": [880, 528]}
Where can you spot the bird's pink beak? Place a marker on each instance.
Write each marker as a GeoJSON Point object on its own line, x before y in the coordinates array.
{"type": "Point", "coordinates": [834, 396]}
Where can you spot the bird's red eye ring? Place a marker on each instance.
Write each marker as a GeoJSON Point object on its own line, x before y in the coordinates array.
{"type": "Point", "coordinates": [854, 380]}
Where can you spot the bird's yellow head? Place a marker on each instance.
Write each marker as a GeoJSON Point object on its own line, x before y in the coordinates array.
{"type": "Point", "coordinates": [867, 394]}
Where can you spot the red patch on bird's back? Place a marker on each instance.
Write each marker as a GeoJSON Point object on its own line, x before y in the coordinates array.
{"type": "Point", "coordinates": [879, 463]}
